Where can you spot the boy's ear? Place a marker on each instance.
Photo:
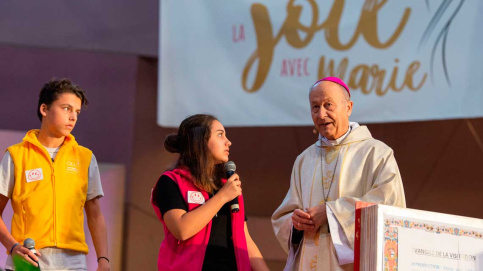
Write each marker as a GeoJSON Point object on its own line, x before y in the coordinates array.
{"type": "Point", "coordinates": [43, 110]}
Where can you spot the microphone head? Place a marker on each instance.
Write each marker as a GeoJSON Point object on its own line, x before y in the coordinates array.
{"type": "Point", "coordinates": [29, 243]}
{"type": "Point", "coordinates": [230, 166]}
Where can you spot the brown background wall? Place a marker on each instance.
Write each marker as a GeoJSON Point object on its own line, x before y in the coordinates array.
{"type": "Point", "coordinates": [440, 161]}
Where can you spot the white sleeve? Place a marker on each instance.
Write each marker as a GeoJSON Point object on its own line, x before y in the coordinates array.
{"type": "Point", "coordinates": [7, 177]}
{"type": "Point", "coordinates": [94, 187]}
{"type": "Point", "coordinates": [345, 254]}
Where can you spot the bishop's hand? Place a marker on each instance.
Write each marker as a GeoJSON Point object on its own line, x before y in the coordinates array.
{"type": "Point", "coordinates": [318, 215]}
{"type": "Point", "coordinates": [302, 221]}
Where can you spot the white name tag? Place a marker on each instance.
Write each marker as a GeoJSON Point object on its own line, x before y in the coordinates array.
{"type": "Point", "coordinates": [195, 197]}
{"type": "Point", "coordinates": [34, 175]}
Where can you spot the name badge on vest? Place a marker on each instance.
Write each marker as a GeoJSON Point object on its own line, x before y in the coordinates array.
{"type": "Point", "coordinates": [34, 175]}
{"type": "Point", "coordinates": [195, 197]}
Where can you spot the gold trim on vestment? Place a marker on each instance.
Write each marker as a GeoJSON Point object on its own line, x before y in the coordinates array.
{"type": "Point", "coordinates": [313, 264]}
{"type": "Point", "coordinates": [341, 169]}
{"type": "Point", "coordinates": [310, 204]}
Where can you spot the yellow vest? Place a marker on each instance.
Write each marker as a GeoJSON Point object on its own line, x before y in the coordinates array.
{"type": "Point", "coordinates": [48, 197]}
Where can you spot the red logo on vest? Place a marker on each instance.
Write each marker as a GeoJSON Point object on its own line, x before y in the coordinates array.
{"type": "Point", "coordinates": [34, 175]}
{"type": "Point", "coordinates": [195, 197]}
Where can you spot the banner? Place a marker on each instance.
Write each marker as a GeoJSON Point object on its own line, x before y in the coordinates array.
{"type": "Point", "coordinates": [252, 63]}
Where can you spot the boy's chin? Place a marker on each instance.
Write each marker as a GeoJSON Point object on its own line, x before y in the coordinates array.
{"type": "Point", "coordinates": [63, 133]}
{"type": "Point", "coordinates": [66, 133]}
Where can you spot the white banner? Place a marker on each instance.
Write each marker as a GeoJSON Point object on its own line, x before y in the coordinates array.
{"type": "Point", "coordinates": [251, 63]}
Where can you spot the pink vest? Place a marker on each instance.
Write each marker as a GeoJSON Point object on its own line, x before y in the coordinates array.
{"type": "Point", "coordinates": [189, 254]}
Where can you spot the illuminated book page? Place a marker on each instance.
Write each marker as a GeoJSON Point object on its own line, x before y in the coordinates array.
{"type": "Point", "coordinates": [421, 250]}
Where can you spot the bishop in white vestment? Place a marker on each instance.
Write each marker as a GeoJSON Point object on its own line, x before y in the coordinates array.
{"type": "Point", "coordinates": [345, 165]}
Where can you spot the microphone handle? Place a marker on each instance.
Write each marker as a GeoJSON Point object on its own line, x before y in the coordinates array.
{"type": "Point", "coordinates": [234, 206]}
{"type": "Point", "coordinates": [35, 252]}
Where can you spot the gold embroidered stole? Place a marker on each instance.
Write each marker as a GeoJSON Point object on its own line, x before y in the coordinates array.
{"type": "Point", "coordinates": [314, 245]}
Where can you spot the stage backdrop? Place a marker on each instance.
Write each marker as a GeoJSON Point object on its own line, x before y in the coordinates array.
{"type": "Point", "coordinates": [251, 63]}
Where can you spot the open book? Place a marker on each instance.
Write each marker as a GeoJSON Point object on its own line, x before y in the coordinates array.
{"type": "Point", "coordinates": [390, 238]}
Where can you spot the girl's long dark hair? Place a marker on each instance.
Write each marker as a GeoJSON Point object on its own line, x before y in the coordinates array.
{"type": "Point", "coordinates": [191, 142]}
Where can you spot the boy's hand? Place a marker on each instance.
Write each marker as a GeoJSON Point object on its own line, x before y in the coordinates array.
{"type": "Point", "coordinates": [103, 265]}
{"type": "Point", "coordinates": [22, 253]}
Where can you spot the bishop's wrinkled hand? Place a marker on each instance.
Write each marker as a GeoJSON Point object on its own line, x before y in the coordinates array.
{"type": "Point", "coordinates": [318, 215]}
{"type": "Point", "coordinates": [302, 221]}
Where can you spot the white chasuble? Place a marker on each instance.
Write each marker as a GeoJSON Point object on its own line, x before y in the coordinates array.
{"type": "Point", "coordinates": [358, 168]}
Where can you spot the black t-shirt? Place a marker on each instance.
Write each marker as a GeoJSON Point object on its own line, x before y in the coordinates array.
{"type": "Point", "coordinates": [220, 253]}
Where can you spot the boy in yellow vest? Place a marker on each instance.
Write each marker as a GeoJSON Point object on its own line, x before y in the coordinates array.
{"type": "Point", "coordinates": [50, 180]}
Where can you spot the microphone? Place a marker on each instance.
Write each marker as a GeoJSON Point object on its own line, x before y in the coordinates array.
{"type": "Point", "coordinates": [30, 244]}
{"type": "Point", "coordinates": [230, 168]}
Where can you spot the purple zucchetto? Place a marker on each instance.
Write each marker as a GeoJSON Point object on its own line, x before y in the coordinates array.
{"type": "Point", "coordinates": [335, 80]}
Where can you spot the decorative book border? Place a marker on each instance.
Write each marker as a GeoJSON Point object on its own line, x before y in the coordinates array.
{"type": "Point", "coordinates": [391, 236]}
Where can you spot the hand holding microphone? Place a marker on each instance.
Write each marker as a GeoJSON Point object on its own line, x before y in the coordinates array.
{"type": "Point", "coordinates": [26, 254]}
{"type": "Point", "coordinates": [230, 169]}
{"type": "Point", "coordinates": [29, 243]}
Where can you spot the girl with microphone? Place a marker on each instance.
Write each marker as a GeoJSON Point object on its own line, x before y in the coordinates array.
{"type": "Point", "coordinates": [193, 202]}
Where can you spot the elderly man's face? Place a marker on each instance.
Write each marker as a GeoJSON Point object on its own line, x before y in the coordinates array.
{"type": "Point", "coordinates": [330, 109]}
